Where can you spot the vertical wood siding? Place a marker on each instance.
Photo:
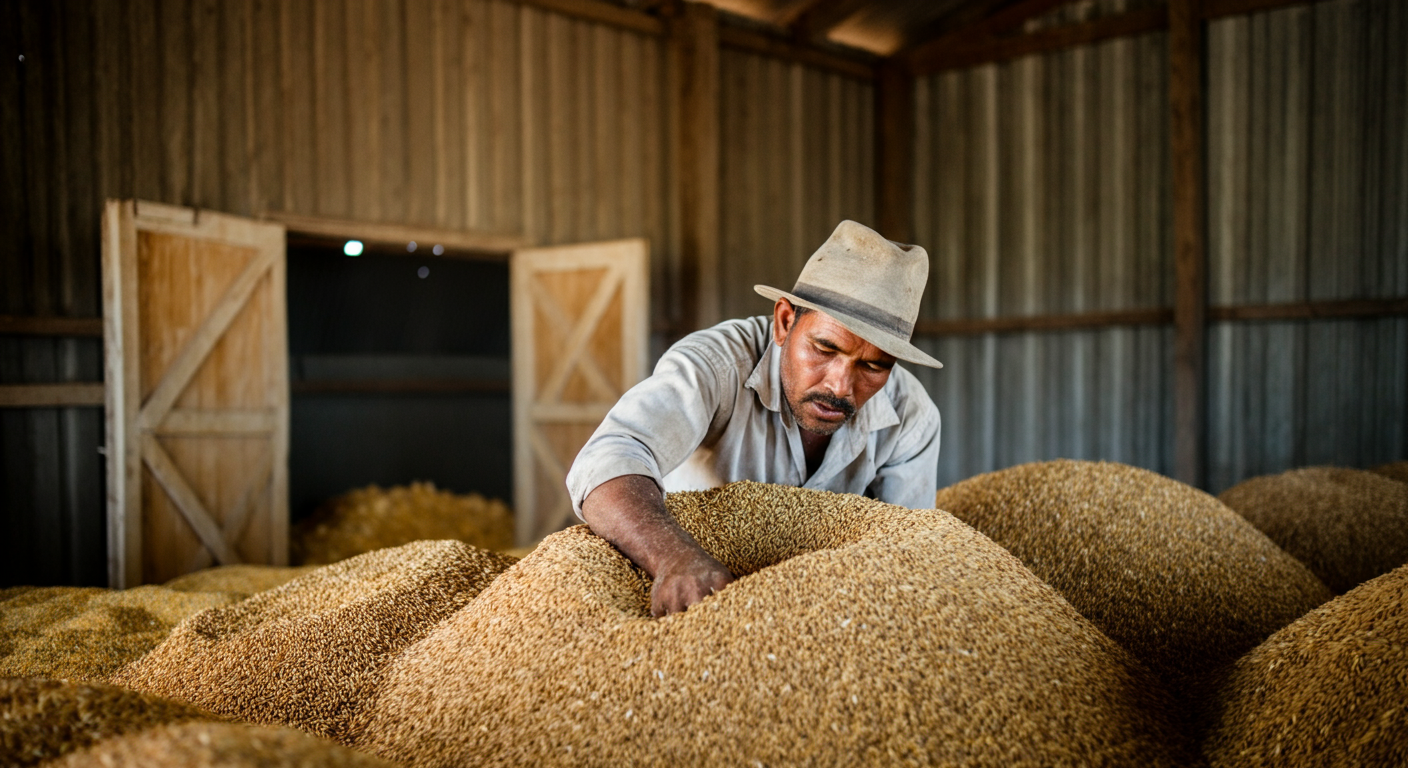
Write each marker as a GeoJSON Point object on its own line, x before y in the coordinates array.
{"type": "Point", "coordinates": [1307, 200]}
{"type": "Point", "coordinates": [1042, 188]}
{"type": "Point", "coordinates": [471, 114]}
{"type": "Point", "coordinates": [797, 156]}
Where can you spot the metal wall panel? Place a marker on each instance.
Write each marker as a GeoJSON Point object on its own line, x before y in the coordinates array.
{"type": "Point", "coordinates": [477, 114]}
{"type": "Point", "coordinates": [797, 156]}
{"type": "Point", "coordinates": [1042, 187]}
{"type": "Point", "coordinates": [1307, 201]}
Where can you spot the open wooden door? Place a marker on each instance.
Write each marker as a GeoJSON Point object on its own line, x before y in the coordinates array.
{"type": "Point", "coordinates": [580, 320]}
{"type": "Point", "coordinates": [197, 391]}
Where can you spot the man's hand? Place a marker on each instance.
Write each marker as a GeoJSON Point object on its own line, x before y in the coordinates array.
{"type": "Point", "coordinates": [629, 511]}
{"type": "Point", "coordinates": [681, 585]}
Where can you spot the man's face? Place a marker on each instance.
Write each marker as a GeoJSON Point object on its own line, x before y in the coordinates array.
{"type": "Point", "coordinates": [828, 373]}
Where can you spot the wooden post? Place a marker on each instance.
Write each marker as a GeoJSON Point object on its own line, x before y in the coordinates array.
{"type": "Point", "coordinates": [894, 151]}
{"type": "Point", "coordinates": [694, 43]}
{"type": "Point", "coordinates": [1189, 254]}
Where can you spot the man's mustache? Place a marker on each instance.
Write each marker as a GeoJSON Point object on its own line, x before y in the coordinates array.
{"type": "Point", "coordinates": [835, 403]}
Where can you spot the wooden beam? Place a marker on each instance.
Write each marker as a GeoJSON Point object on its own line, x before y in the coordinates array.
{"type": "Point", "coordinates": [603, 13]}
{"type": "Point", "coordinates": [894, 152]}
{"type": "Point", "coordinates": [16, 325]}
{"type": "Point", "coordinates": [814, 23]}
{"type": "Point", "coordinates": [985, 29]}
{"type": "Point", "coordinates": [752, 41]}
{"type": "Point", "coordinates": [694, 46]}
{"type": "Point", "coordinates": [1216, 9]}
{"type": "Point", "coordinates": [51, 395]}
{"type": "Point", "coordinates": [1185, 83]}
{"type": "Point", "coordinates": [394, 237]}
{"type": "Point", "coordinates": [1083, 321]}
{"type": "Point", "coordinates": [1356, 309]}
{"type": "Point", "coordinates": [932, 60]}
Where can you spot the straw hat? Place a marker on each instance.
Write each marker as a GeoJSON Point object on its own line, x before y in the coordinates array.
{"type": "Point", "coordinates": [868, 284]}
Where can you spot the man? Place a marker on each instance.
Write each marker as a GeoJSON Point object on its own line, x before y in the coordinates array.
{"type": "Point", "coordinates": [808, 397]}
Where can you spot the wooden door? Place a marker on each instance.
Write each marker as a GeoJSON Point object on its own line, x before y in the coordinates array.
{"type": "Point", "coordinates": [197, 391]}
{"type": "Point", "coordinates": [580, 335]}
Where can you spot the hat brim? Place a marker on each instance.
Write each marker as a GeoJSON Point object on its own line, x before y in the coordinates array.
{"type": "Point", "coordinates": [885, 340]}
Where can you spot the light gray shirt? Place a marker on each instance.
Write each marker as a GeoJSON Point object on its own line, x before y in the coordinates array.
{"type": "Point", "coordinates": [713, 412]}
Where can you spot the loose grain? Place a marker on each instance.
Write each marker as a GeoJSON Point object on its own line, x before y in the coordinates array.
{"type": "Point", "coordinates": [858, 634]}
{"type": "Point", "coordinates": [219, 745]}
{"type": "Point", "coordinates": [241, 579]}
{"type": "Point", "coordinates": [1328, 690]}
{"type": "Point", "coordinates": [1167, 571]}
{"type": "Point", "coordinates": [88, 633]}
{"type": "Point", "coordinates": [1396, 470]}
{"type": "Point", "coordinates": [373, 518]}
{"type": "Point", "coordinates": [44, 719]}
{"type": "Point", "coordinates": [1346, 525]}
{"type": "Point", "coordinates": [310, 653]}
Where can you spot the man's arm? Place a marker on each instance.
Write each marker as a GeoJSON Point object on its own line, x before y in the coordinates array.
{"type": "Point", "coordinates": [629, 511]}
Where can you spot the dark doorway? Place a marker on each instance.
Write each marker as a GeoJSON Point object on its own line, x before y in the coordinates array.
{"type": "Point", "coordinates": [399, 366]}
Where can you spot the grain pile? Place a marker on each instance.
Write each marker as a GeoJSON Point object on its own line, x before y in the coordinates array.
{"type": "Point", "coordinates": [310, 653]}
{"type": "Point", "coordinates": [860, 634]}
{"type": "Point", "coordinates": [87, 633]}
{"type": "Point", "coordinates": [372, 518]}
{"type": "Point", "coordinates": [43, 719]}
{"type": "Point", "coordinates": [1346, 525]}
{"type": "Point", "coordinates": [219, 745]}
{"type": "Point", "coordinates": [1167, 571]}
{"type": "Point", "coordinates": [1395, 470]}
{"type": "Point", "coordinates": [240, 579]}
{"type": "Point", "coordinates": [1330, 689]}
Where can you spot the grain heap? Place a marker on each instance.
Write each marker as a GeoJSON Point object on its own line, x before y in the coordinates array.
{"type": "Point", "coordinates": [1346, 525]}
{"type": "Point", "coordinates": [371, 518]}
{"type": "Point", "coordinates": [219, 745]}
{"type": "Point", "coordinates": [309, 654]}
{"type": "Point", "coordinates": [859, 633]}
{"type": "Point", "coordinates": [87, 633]}
{"type": "Point", "coordinates": [241, 579]}
{"type": "Point", "coordinates": [1178, 579]}
{"type": "Point", "coordinates": [43, 719]}
{"type": "Point", "coordinates": [1395, 470]}
{"type": "Point", "coordinates": [1326, 690]}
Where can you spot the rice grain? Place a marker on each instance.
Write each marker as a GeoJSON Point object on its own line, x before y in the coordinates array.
{"type": "Point", "coordinates": [310, 653]}
{"type": "Point", "coordinates": [1331, 689]}
{"type": "Point", "coordinates": [1346, 525]}
{"type": "Point", "coordinates": [859, 633]}
{"type": "Point", "coordinates": [43, 719]}
{"type": "Point", "coordinates": [1164, 569]}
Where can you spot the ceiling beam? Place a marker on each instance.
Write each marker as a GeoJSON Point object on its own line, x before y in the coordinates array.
{"type": "Point", "coordinates": [819, 18]}
{"type": "Point", "coordinates": [1000, 20]}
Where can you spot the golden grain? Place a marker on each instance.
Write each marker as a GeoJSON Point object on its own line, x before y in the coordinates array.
{"type": "Point", "coordinates": [219, 745]}
{"type": "Point", "coordinates": [1331, 689]}
{"type": "Point", "coordinates": [858, 634]}
{"type": "Point", "coordinates": [372, 518]}
{"type": "Point", "coordinates": [43, 719]}
{"type": "Point", "coordinates": [1167, 571]}
{"type": "Point", "coordinates": [311, 652]}
{"type": "Point", "coordinates": [1394, 470]}
{"type": "Point", "coordinates": [1346, 525]}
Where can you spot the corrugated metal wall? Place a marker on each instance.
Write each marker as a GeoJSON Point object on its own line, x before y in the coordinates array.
{"type": "Point", "coordinates": [1042, 187]}
{"type": "Point", "coordinates": [797, 156]}
{"type": "Point", "coordinates": [1307, 201]}
{"type": "Point", "coordinates": [457, 113]}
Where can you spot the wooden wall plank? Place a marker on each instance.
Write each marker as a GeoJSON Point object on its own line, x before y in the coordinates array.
{"type": "Point", "coordinates": [207, 188]}
{"type": "Point", "coordinates": [894, 162]}
{"type": "Point", "coordinates": [331, 116]}
{"type": "Point", "coordinates": [422, 154]}
{"type": "Point", "coordinates": [50, 395]}
{"type": "Point", "coordinates": [363, 98]}
{"type": "Point", "coordinates": [297, 107]}
{"type": "Point", "coordinates": [393, 152]}
{"type": "Point", "coordinates": [694, 38]}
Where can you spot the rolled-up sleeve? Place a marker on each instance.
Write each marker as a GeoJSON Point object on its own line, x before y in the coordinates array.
{"type": "Point", "coordinates": [656, 425]}
{"type": "Point", "coordinates": [910, 477]}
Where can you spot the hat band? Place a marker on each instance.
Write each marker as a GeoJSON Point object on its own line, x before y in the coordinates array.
{"type": "Point", "coordinates": [857, 309]}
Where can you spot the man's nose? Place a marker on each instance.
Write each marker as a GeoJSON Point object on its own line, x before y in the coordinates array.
{"type": "Point", "coordinates": [838, 380]}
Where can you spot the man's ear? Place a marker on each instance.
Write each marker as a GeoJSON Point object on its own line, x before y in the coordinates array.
{"type": "Point", "coordinates": [784, 316]}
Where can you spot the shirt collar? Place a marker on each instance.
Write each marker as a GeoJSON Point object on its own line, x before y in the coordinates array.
{"type": "Point", "coordinates": [766, 380]}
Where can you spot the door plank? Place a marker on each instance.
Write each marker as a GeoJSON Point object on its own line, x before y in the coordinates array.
{"type": "Point", "coordinates": [186, 500]}
{"type": "Point", "coordinates": [188, 421]}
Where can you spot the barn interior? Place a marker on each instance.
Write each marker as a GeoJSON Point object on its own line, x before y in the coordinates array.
{"type": "Point", "coordinates": [307, 306]}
